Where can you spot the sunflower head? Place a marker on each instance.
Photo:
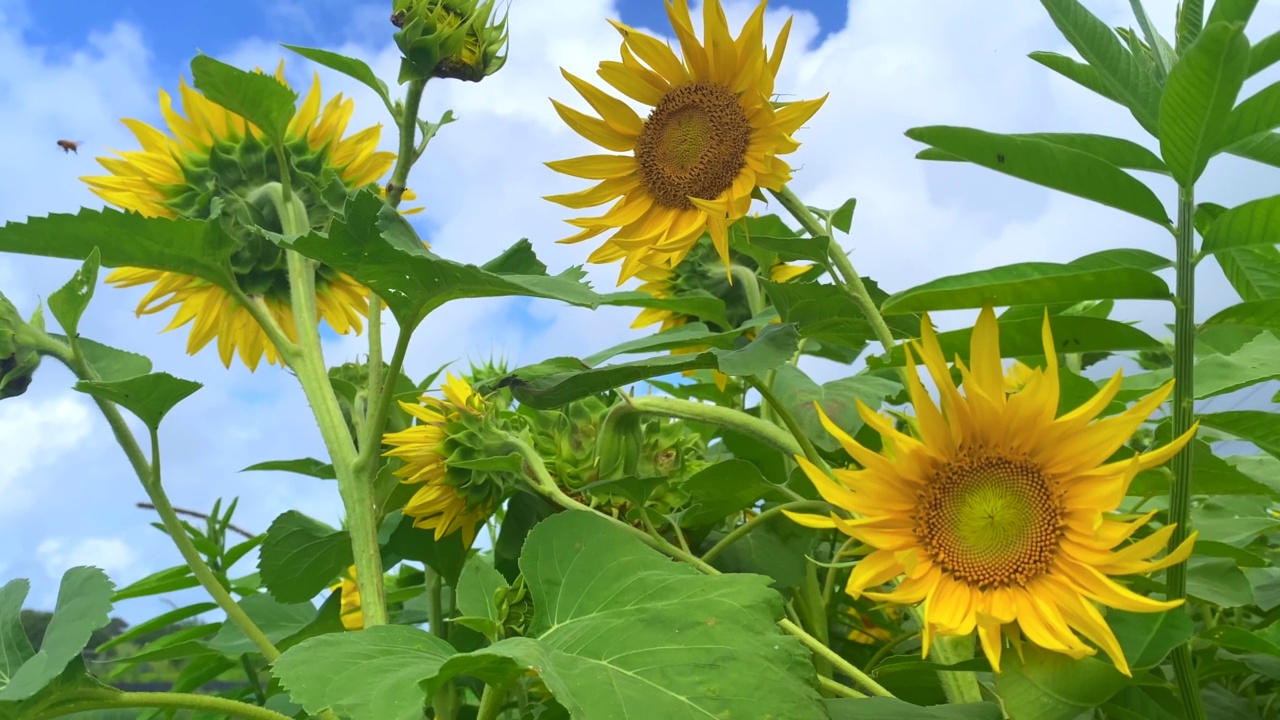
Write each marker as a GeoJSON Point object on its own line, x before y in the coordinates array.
{"type": "Point", "coordinates": [438, 453]}
{"type": "Point", "coordinates": [1000, 515]}
{"type": "Point", "coordinates": [690, 167]}
{"type": "Point", "coordinates": [349, 604]}
{"type": "Point", "coordinates": [212, 163]}
{"type": "Point", "coordinates": [18, 354]}
{"type": "Point", "coordinates": [459, 39]}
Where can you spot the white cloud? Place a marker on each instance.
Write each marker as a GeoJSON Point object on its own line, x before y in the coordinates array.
{"type": "Point", "coordinates": [34, 436]}
{"type": "Point", "coordinates": [112, 554]}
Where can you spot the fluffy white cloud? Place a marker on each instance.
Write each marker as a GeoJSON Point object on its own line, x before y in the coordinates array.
{"type": "Point", "coordinates": [481, 183]}
{"type": "Point", "coordinates": [113, 554]}
{"type": "Point", "coordinates": [34, 438]}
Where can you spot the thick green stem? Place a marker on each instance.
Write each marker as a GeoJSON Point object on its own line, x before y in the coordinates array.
{"type": "Point", "coordinates": [87, 700]}
{"type": "Point", "coordinates": [759, 521]}
{"type": "Point", "coordinates": [491, 702]}
{"type": "Point", "coordinates": [149, 475]}
{"type": "Point", "coordinates": [837, 689]}
{"type": "Point", "coordinates": [445, 701]}
{"type": "Point", "coordinates": [543, 482]}
{"type": "Point", "coordinates": [960, 687]}
{"type": "Point", "coordinates": [747, 425]}
{"type": "Point", "coordinates": [845, 276]}
{"type": "Point", "coordinates": [1183, 412]}
{"type": "Point", "coordinates": [309, 366]}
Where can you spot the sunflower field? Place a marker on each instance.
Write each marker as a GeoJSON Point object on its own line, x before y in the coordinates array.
{"type": "Point", "coordinates": [1026, 518]}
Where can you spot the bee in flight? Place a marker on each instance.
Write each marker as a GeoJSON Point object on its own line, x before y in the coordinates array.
{"type": "Point", "coordinates": [70, 146]}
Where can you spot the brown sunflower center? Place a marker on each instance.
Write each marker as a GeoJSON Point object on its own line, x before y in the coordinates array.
{"type": "Point", "coordinates": [991, 520]}
{"type": "Point", "coordinates": [693, 145]}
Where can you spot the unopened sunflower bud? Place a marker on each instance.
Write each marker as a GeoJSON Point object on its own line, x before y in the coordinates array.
{"type": "Point", "coordinates": [460, 39]}
{"type": "Point", "coordinates": [619, 444]}
{"type": "Point", "coordinates": [18, 356]}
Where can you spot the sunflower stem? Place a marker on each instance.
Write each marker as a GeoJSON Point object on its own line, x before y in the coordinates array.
{"type": "Point", "coordinates": [491, 702]}
{"type": "Point", "coordinates": [960, 687]}
{"type": "Point", "coordinates": [540, 478]}
{"type": "Point", "coordinates": [845, 275]}
{"type": "Point", "coordinates": [760, 520]}
{"type": "Point", "coordinates": [837, 689]}
{"type": "Point", "coordinates": [782, 411]}
{"type": "Point", "coordinates": [80, 701]}
{"type": "Point", "coordinates": [829, 585]}
{"type": "Point", "coordinates": [148, 473]}
{"type": "Point", "coordinates": [1183, 412]}
{"type": "Point", "coordinates": [750, 426]}
{"type": "Point", "coordinates": [309, 366]}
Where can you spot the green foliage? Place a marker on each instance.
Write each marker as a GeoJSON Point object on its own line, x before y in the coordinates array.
{"type": "Point", "coordinates": [257, 97]}
{"type": "Point", "coordinates": [301, 556]}
{"type": "Point", "coordinates": [1198, 98]}
{"type": "Point", "coordinates": [150, 397]}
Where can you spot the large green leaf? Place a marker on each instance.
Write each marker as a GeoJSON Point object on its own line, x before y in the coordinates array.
{"type": "Point", "coordinates": [15, 648]}
{"type": "Point", "coordinates": [555, 383]}
{"type": "Point", "coordinates": [1261, 314]}
{"type": "Point", "coordinates": [1259, 427]}
{"type": "Point", "coordinates": [478, 586]}
{"type": "Point", "coordinates": [698, 303]}
{"type": "Point", "coordinates": [621, 631]}
{"type": "Point", "coordinates": [150, 397]}
{"type": "Point", "coordinates": [1115, 151]}
{"type": "Point", "coordinates": [831, 323]}
{"type": "Point", "coordinates": [376, 246]}
{"type": "Point", "coordinates": [1198, 98]}
{"type": "Point", "coordinates": [1078, 72]}
{"type": "Point", "coordinates": [84, 601]}
{"type": "Point", "coordinates": [351, 67]}
{"type": "Point", "coordinates": [681, 336]}
{"type": "Point", "coordinates": [838, 399]}
{"type": "Point", "coordinates": [1051, 686]}
{"type": "Point", "coordinates": [1117, 69]}
{"type": "Point", "coordinates": [778, 550]}
{"type": "Point", "coordinates": [276, 620]}
{"type": "Point", "coordinates": [1264, 54]}
{"type": "Point", "coordinates": [1218, 581]}
{"type": "Point", "coordinates": [1255, 223]}
{"type": "Point", "coordinates": [310, 467]}
{"type": "Point", "coordinates": [885, 708]}
{"type": "Point", "coordinates": [1257, 114]}
{"type": "Point", "coordinates": [1231, 11]}
{"type": "Point", "coordinates": [257, 97]}
{"type": "Point", "coordinates": [108, 362]}
{"type": "Point", "coordinates": [301, 556]}
{"type": "Point", "coordinates": [68, 303]}
{"type": "Point", "coordinates": [192, 247]}
{"type": "Point", "coordinates": [368, 675]}
{"type": "Point", "coordinates": [1254, 272]}
{"type": "Point", "coordinates": [1051, 165]}
{"type": "Point", "coordinates": [1148, 637]}
{"type": "Point", "coordinates": [722, 489]}
{"type": "Point", "coordinates": [1028, 284]}
{"type": "Point", "coordinates": [1213, 476]}
{"type": "Point", "coordinates": [1072, 333]}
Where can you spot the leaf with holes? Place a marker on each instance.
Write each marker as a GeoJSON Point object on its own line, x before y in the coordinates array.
{"type": "Point", "coordinates": [68, 303]}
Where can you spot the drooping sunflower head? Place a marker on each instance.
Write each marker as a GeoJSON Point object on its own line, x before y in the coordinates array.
{"type": "Point", "coordinates": [712, 137]}
{"type": "Point", "coordinates": [1000, 514]}
{"type": "Point", "coordinates": [212, 163]}
{"type": "Point", "coordinates": [451, 498]}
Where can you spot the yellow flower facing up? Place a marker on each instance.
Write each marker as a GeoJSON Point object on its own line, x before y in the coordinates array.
{"type": "Point", "coordinates": [999, 513]}
{"type": "Point", "coordinates": [712, 137]}
{"type": "Point", "coordinates": [438, 505]}
{"type": "Point", "coordinates": [210, 163]}
{"type": "Point", "coordinates": [349, 605]}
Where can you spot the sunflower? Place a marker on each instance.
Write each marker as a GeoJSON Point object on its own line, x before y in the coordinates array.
{"type": "Point", "coordinates": [209, 164]}
{"type": "Point", "coordinates": [349, 606]}
{"type": "Point", "coordinates": [1000, 513]}
{"type": "Point", "coordinates": [440, 504]}
{"type": "Point", "coordinates": [712, 137]}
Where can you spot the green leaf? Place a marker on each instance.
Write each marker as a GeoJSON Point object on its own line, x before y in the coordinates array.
{"type": "Point", "coordinates": [1218, 581]}
{"type": "Point", "coordinates": [1117, 69]}
{"type": "Point", "coordinates": [368, 675]}
{"type": "Point", "coordinates": [349, 66]}
{"type": "Point", "coordinates": [158, 622]}
{"type": "Point", "coordinates": [721, 489]}
{"type": "Point", "coordinates": [69, 302]}
{"type": "Point", "coordinates": [842, 218]}
{"type": "Point", "coordinates": [826, 316]}
{"type": "Point", "coordinates": [792, 248]}
{"type": "Point", "coordinates": [1258, 360]}
{"type": "Point", "coordinates": [150, 397]}
{"type": "Point", "coordinates": [276, 620]}
{"type": "Point", "coordinates": [1072, 333]}
{"type": "Point", "coordinates": [1044, 163]}
{"type": "Point", "coordinates": [1231, 11]}
{"type": "Point", "coordinates": [837, 398]}
{"type": "Point", "coordinates": [1148, 637]}
{"type": "Point", "coordinates": [1140, 703]}
{"type": "Point", "coordinates": [376, 246]}
{"type": "Point", "coordinates": [1259, 427]}
{"type": "Point", "coordinates": [1123, 258]}
{"type": "Point", "coordinates": [1113, 150]}
{"type": "Point", "coordinates": [1263, 314]}
{"type": "Point", "coordinates": [305, 466]}
{"type": "Point", "coordinates": [1027, 284]}
{"type": "Point", "coordinates": [1232, 637]}
{"type": "Point", "coordinates": [549, 386]}
{"type": "Point", "coordinates": [192, 247]}
{"type": "Point", "coordinates": [257, 97]}
{"type": "Point", "coordinates": [158, 583]}
{"type": "Point", "coordinates": [681, 336]}
{"type": "Point", "coordinates": [84, 601]}
{"type": "Point", "coordinates": [1264, 54]}
{"type": "Point", "coordinates": [1254, 272]}
{"type": "Point", "coordinates": [885, 708]}
{"type": "Point", "coordinates": [1078, 72]}
{"type": "Point", "coordinates": [1198, 98]}
{"type": "Point", "coordinates": [778, 550]}
{"type": "Point", "coordinates": [698, 304]}
{"type": "Point", "coordinates": [300, 557]}
{"type": "Point", "coordinates": [15, 648]}
{"type": "Point", "coordinates": [1257, 114]}
{"type": "Point", "coordinates": [620, 629]}
{"type": "Point", "coordinates": [478, 586]}
{"type": "Point", "coordinates": [108, 362]}
{"type": "Point", "coordinates": [1052, 686]}
{"type": "Point", "coordinates": [406, 542]}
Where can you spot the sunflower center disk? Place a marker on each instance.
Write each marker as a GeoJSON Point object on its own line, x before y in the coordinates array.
{"type": "Point", "coordinates": [991, 520]}
{"type": "Point", "coordinates": [693, 145]}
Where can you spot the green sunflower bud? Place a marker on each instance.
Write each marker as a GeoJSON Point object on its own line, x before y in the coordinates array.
{"type": "Point", "coordinates": [18, 356]}
{"type": "Point", "coordinates": [619, 444]}
{"type": "Point", "coordinates": [460, 39]}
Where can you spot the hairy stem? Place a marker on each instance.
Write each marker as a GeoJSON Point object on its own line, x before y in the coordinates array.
{"type": "Point", "coordinates": [960, 687]}
{"type": "Point", "coordinates": [1183, 411]}
{"type": "Point", "coordinates": [86, 700]}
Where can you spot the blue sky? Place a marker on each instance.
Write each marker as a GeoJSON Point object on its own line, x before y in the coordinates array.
{"type": "Point", "coordinates": [73, 69]}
